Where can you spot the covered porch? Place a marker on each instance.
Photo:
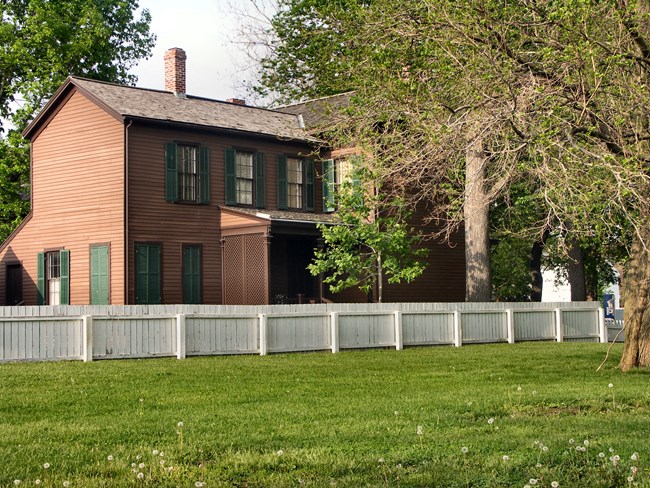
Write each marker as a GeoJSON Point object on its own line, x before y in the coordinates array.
{"type": "Point", "coordinates": [265, 256]}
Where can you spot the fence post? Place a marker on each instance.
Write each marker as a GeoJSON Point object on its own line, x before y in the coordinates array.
{"type": "Point", "coordinates": [334, 331]}
{"type": "Point", "coordinates": [510, 324]}
{"type": "Point", "coordinates": [87, 337]}
{"type": "Point", "coordinates": [399, 344]}
{"type": "Point", "coordinates": [559, 330]}
{"type": "Point", "coordinates": [180, 336]}
{"type": "Point", "coordinates": [602, 327]}
{"type": "Point", "coordinates": [264, 347]}
{"type": "Point", "coordinates": [458, 331]}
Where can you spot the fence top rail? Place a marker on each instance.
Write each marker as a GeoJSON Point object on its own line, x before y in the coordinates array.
{"type": "Point", "coordinates": [44, 318]}
{"type": "Point", "coordinates": [132, 317]}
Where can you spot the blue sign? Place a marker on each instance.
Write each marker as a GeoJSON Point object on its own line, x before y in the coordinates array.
{"type": "Point", "coordinates": [608, 305]}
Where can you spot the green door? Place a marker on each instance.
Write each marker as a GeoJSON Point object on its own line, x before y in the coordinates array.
{"type": "Point", "coordinates": [147, 279]}
{"type": "Point", "coordinates": [99, 282]}
{"type": "Point", "coordinates": [192, 274]}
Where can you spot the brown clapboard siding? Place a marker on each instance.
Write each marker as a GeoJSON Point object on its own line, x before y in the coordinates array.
{"type": "Point", "coordinates": [152, 219]}
{"type": "Point", "coordinates": [78, 198]}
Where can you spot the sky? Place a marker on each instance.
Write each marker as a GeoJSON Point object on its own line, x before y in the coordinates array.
{"type": "Point", "coordinates": [205, 29]}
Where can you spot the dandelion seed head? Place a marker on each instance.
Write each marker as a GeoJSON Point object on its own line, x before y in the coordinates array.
{"type": "Point", "coordinates": [37, 482]}
{"type": "Point", "coordinates": [634, 469]}
{"type": "Point", "coordinates": [601, 455]}
{"type": "Point", "coordinates": [46, 465]}
{"type": "Point", "coordinates": [630, 479]}
{"type": "Point", "coordinates": [534, 392]}
{"type": "Point", "coordinates": [419, 430]}
{"type": "Point", "coordinates": [506, 457]}
{"type": "Point", "coordinates": [161, 454]}
{"type": "Point", "coordinates": [571, 441]}
{"type": "Point", "coordinates": [634, 456]}
{"type": "Point", "coordinates": [491, 420]}
{"type": "Point", "coordinates": [381, 460]}
{"type": "Point", "coordinates": [533, 481]}
{"type": "Point", "coordinates": [154, 452]}
{"type": "Point", "coordinates": [162, 462]}
{"type": "Point", "coordinates": [396, 413]}
{"type": "Point", "coordinates": [279, 453]}
{"type": "Point", "coordinates": [17, 482]}
{"type": "Point", "coordinates": [586, 442]}
{"type": "Point", "coordinates": [496, 427]}
{"type": "Point", "coordinates": [141, 465]}
{"type": "Point", "coordinates": [66, 484]}
{"type": "Point", "coordinates": [538, 465]}
{"type": "Point", "coordinates": [110, 458]}
{"type": "Point", "coordinates": [519, 388]}
{"type": "Point", "coordinates": [138, 457]}
{"type": "Point", "coordinates": [140, 476]}
{"type": "Point", "coordinates": [464, 450]}
{"type": "Point", "coordinates": [554, 484]}
{"type": "Point", "coordinates": [611, 449]}
{"type": "Point", "coordinates": [611, 385]}
{"type": "Point", "coordinates": [180, 424]}
{"type": "Point", "coordinates": [545, 448]}
{"type": "Point", "coordinates": [469, 404]}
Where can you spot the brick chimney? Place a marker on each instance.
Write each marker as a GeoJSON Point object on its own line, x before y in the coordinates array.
{"type": "Point", "coordinates": [175, 71]}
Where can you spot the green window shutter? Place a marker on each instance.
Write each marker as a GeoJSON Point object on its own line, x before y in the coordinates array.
{"type": "Point", "coordinates": [283, 197]}
{"type": "Point", "coordinates": [328, 185]}
{"type": "Point", "coordinates": [260, 181]}
{"type": "Point", "coordinates": [192, 274]}
{"type": "Point", "coordinates": [147, 270]}
{"type": "Point", "coordinates": [231, 178]}
{"type": "Point", "coordinates": [64, 259]}
{"type": "Point", "coordinates": [204, 174]}
{"type": "Point", "coordinates": [309, 185]}
{"type": "Point", "coordinates": [40, 278]}
{"type": "Point", "coordinates": [171, 173]}
{"type": "Point", "coordinates": [99, 279]}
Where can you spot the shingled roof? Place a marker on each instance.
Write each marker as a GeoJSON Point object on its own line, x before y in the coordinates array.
{"type": "Point", "coordinates": [127, 102]}
{"type": "Point", "coordinates": [320, 113]}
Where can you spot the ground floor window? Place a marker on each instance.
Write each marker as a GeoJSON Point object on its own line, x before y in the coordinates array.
{"type": "Point", "coordinates": [192, 274]}
{"type": "Point", "coordinates": [53, 277]}
{"type": "Point", "coordinates": [148, 274]}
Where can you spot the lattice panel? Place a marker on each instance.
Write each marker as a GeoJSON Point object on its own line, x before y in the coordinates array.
{"type": "Point", "coordinates": [233, 264]}
{"type": "Point", "coordinates": [255, 271]}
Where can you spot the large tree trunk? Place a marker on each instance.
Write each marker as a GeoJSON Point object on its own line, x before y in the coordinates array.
{"type": "Point", "coordinates": [636, 293]}
{"type": "Point", "coordinates": [478, 286]}
{"type": "Point", "coordinates": [576, 273]}
{"type": "Point", "coordinates": [535, 266]}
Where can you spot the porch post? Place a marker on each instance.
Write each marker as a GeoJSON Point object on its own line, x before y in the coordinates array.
{"type": "Point", "coordinates": [267, 264]}
{"type": "Point", "coordinates": [223, 273]}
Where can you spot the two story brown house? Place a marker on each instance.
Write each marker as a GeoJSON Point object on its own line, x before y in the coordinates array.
{"type": "Point", "coordinates": [147, 196]}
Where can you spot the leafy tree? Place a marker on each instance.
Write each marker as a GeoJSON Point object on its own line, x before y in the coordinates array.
{"type": "Point", "coordinates": [466, 98]}
{"type": "Point", "coordinates": [41, 43]}
{"type": "Point", "coordinates": [370, 241]}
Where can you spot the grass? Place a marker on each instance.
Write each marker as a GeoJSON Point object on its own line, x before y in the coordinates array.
{"type": "Point", "coordinates": [363, 418]}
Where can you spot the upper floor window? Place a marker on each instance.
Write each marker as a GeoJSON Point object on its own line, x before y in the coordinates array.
{"type": "Point", "coordinates": [244, 175]}
{"type": "Point", "coordinates": [245, 178]}
{"type": "Point", "coordinates": [335, 173]}
{"type": "Point", "coordinates": [187, 173]}
{"type": "Point", "coordinates": [295, 183]}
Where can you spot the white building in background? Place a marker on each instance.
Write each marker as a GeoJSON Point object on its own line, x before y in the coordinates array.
{"type": "Point", "coordinates": [561, 291]}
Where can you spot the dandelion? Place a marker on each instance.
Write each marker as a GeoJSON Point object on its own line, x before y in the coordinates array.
{"type": "Point", "coordinates": [538, 465]}
{"type": "Point", "coordinates": [491, 420]}
{"type": "Point", "coordinates": [506, 458]}
{"type": "Point", "coordinates": [381, 460]}
{"type": "Point", "coordinates": [396, 413]}
{"type": "Point", "coordinates": [469, 404]}
{"type": "Point", "coordinates": [419, 430]}
{"type": "Point", "coordinates": [554, 484]}
{"type": "Point", "coordinates": [571, 441]}
{"type": "Point", "coordinates": [17, 482]}
{"type": "Point", "coordinates": [110, 458]}
{"type": "Point", "coordinates": [133, 465]}
{"type": "Point", "coordinates": [140, 476]}
{"type": "Point", "coordinates": [66, 484]}
{"type": "Point", "coordinates": [586, 442]}
{"type": "Point", "coordinates": [464, 450]}
{"type": "Point", "coordinates": [141, 465]}
{"type": "Point", "coordinates": [601, 455]}
{"type": "Point", "coordinates": [155, 452]}
{"type": "Point", "coordinates": [37, 482]}
{"type": "Point", "coordinates": [138, 457]}
{"type": "Point", "coordinates": [534, 392]}
{"type": "Point", "coordinates": [162, 462]}
{"type": "Point", "coordinates": [634, 456]}
{"type": "Point", "coordinates": [180, 425]}
{"type": "Point", "coordinates": [519, 388]}
{"type": "Point", "coordinates": [611, 450]}
{"type": "Point", "coordinates": [545, 448]}
{"type": "Point", "coordinates": [199, 484]}
{"type": "Point", "coordinates": [162, 454]}
{"type": "Point", "coordinates": [611, 385]}
{"type": "Point", "coordinates": [279, 453]}
{"type": "Point", "coordinates": [46, 466]}
{"type": "Point", "coordinates": [634, 469]}
{"type": "Point", "coordinates": [630, 479]}
{"type": "Point", "coordinates": [533, 481]}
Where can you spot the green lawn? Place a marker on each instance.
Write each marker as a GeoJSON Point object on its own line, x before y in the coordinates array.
{"type": "Point", "coordinates": [362, 418]}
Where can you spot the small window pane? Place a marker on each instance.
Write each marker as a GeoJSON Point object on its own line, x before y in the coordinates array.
{"type": "Point", "coordinates": [294, 182]}
{"type": "Point", "coordinates": [188, 173]}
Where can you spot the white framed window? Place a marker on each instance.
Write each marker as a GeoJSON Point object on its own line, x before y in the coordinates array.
{"type": "Point", "coordinates": [244, 174]}
{"type": "Point", "coordinates": [294, 182]}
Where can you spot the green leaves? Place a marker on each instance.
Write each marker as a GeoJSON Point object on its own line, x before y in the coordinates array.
{"type": "Point", "coordinates": [371, 241]}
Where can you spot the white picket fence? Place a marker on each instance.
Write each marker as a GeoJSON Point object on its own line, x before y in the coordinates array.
{"type": "Point", "coordinates": [111, 332]}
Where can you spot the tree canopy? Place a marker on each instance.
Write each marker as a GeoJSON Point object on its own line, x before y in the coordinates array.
{"type": "Point", "coordinates": [466, 98]}
{"type": "Point", "coordinates": [41, 43]}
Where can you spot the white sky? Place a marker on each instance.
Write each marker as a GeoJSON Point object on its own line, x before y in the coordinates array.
{"type": "Point", "coordinates": [206, 30]}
